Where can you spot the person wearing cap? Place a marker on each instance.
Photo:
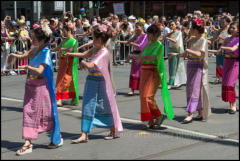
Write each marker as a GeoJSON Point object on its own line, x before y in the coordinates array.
{"type": "Point", "coordinates": [132, 21]}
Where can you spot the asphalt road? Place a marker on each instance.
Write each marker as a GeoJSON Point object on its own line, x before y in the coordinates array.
{"type": "Point", "coordinates": [218, 138]}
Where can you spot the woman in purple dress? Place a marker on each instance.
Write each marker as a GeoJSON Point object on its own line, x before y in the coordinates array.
{"type": "Point", "coordinates": [139, 41]}
{"type": "Point", "coordinates": [230, 66]}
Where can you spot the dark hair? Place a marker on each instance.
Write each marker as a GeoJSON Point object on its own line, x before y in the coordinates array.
{"type": "Point", "coordinates": [215, 16]}
{"type": "Point", "coordinates": [104, 36]}
{"type": "Point", "coordinates": [40, 35]}
{"type": "Point", "coordinates": [208, 23]}
{"type": "Point", "coordinates": [199, 28]}
{"type": "Point", "coordinates": [154, 29]}
{"type": "Point", "coordinates": [171, 21]}
{"type": "Point", "coordinates": [186, 24]}
{"type": "Point", "coordinates": [227, 19]}
{"type": "Point", "coordinates": [149, 17]}
{"type": "Point", "coordinates": [67, 28]}
{"type": "Point", "coordinates": [125, 25]}
{"type": "Point", "coordinates": [165, 23]}
{"type": "Point", "coordinates": [139, 24]}
{"type": "Point", "coordinates": [233, 23]}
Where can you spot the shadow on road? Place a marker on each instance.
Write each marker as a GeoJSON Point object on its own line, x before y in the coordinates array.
{"type": "Point", "coordinates": [219, 110]}
{"type": "Point", "coordinates": [7, 108]}
{"type": "Point", "coordinates": [165, 131]}
{"type": "Point", "coordinates": [126, 94]}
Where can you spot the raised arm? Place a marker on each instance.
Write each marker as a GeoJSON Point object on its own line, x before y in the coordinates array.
{"type": "Point", "coordinates": [85, 54]}
{"type": "Point", "coordinates": [90, 43]}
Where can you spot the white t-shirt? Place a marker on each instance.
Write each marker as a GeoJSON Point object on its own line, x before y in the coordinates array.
{"type": "Point", "coordinates": [131, 26]}
{"type": "Point", "coordinates": [146, 26]}
{"type": "Point", "coordinates": [166, 30]}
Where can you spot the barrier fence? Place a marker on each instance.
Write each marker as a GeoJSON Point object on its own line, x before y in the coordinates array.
{"type": "Point", "coordinates": [120, 52]}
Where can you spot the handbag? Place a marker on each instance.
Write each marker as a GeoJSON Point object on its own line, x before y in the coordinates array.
{"type": "Point", "coordinates": [13, 47]}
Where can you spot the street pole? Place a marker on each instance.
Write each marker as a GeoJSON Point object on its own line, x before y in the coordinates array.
{"type": "Point", "coordinates": [38, 9]}
{"type": "Point", "coordinates": [91, 8]}
{"type": "Point", "coordinates": [64, 7]}
{"type": "Point", "coordinates": [163, 8]}
{"type": "Point", "coordinates": [144, 8]}
{"type": "Point", "coordinates": [97, 11]}
{"type": "Point", "coordinates": [15, 10]}
{"type": "Point", "coordinates": [71, 6]}
{"type": "Point", "coordinates": [131, 8]}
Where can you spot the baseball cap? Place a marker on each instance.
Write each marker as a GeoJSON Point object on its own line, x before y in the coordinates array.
{"type": "Point", "coordinates": [132, 17]}
{"type": "Point", "coordinates": [86, 24]}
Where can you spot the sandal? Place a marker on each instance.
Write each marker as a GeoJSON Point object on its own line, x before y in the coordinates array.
{"type": "Point", "coordinates": [76, 141]}
{"type": "Point", "coordinates": [53, 146]}
{"type": "Point", "coordinates": [130, 93]}
{"type": "Point", "coordinates": [111, 136]}
{"type": "Point", "coordinates": [217, 81]}
{"type": "Point", "coordinates": [73, 102]}
{"type": "Point", "coordinates": [169, 87]}
{"type": "Point", "coordinates": [25, 149]}
{"type": "Point", "coordinates": [158, 122]}
{"type": "Point", "coordinates": [148, 126]}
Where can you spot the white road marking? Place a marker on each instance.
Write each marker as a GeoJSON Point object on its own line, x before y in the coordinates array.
{"type": "Point", "coordinates": [139, 122]}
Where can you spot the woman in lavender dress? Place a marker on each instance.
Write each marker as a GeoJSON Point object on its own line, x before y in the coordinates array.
{"type": "Point", "coordinates": [197, 74]}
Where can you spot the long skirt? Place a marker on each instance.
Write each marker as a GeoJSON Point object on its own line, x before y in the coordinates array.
{"type": "Point", "coordinates": [96, 110]}
{"type": "Point", "coordinates": [194, 86]}
{"type": "Point", "coordinates": [149, 82]}
{"type": "Point", "coordinates": [230, 76]}
{"type": "Point", "coordinates": [219, 68]}
{"type": "Point", "coordinates": [64, 83]}
{"type": "Point", "coordinates": [134, 75]}
{"type": "Point", "coordinates": [37, 113]}
{"type": "Point", "coordinates": [172, 66]}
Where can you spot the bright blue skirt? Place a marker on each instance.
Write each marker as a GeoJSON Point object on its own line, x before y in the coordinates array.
{"type": "Point", "coordinates": [96, 110]}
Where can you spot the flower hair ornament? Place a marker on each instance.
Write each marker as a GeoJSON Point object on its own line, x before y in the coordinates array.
{"type": "Point", "coordinates": [103, 29]}
{"type": "Point", "coordinates": [198, 21]}
{"type": "Point", "coordinates": [46, 29]}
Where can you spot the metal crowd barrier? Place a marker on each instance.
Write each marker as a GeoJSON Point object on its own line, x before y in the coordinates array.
{"type": "Point", "coordinates": [18, 62]}
{"type": "Point", "coordinates": [121, 54]}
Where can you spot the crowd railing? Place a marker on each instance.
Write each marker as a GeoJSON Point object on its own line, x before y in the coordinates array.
{"type": "Point", "coordinates": [121, 50]}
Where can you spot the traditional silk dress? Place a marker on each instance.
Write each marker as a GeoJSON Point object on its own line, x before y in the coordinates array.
{"type": "Point", "coordinates": [67, 78]}
{"type": "Point", "coordinates": [177, 72]}
{"type": "Point", "coordinates": [99, 104]}
{"type": "Point", "coordinates": [220, 57]}
{"type": "Point", "coordinates": [152, 75]}
{"type": "Point", "coordinates": [230, 71]}
{"type": "Point", "coordinates": [197, 78]}
{"type": "Point", "coordinates": [40, 108]}
{"type": "Point", "coordinates": [135, 67]}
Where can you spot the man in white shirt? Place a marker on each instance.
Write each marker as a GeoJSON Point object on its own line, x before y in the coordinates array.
{"type": "Point", "coordinates": [132, 21]}
{"type": "Point", "coordinates": [149, 23]}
